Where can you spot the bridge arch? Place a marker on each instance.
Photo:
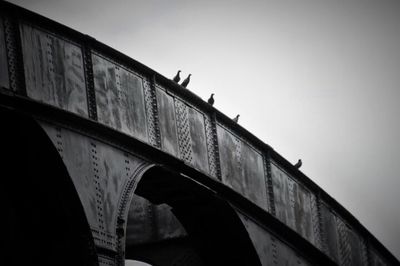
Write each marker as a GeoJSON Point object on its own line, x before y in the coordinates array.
{"type": "Point", "coordinates": [215, 233]}
{"type": "Point", "coordinates": [45, 221]}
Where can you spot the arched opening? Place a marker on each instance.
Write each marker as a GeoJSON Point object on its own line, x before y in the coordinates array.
{"type": "Point", "coordinates": [44, 219]}
{"type": "Point", "coordinates": [206, 230]}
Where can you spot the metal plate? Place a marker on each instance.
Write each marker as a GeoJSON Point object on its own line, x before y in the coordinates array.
{"type": "Point", "coordinates": [198, 137]}
{"type": "Point", "coordinates": [110, 167]}
{"type": "Point", "coordinates": [287, 256]}
{"type": "Point", "coordinates": [242, 167]}
{"type": "Point", "coordinates": [283, 206]}
{"type": "Point", "coordinates": [355, 246]}
{"type": "Point", "coordinates": [292, 202]}
{"type": "Point", "coordinates": [166, 115]}
{"type": "Point", "coordinates": [261, 240]}
{"type": "Point", "coordinates": [4, 79]}
{"type": "Point", "coordinates": [302, 212]}
{"type": "Point", "coordinates": [100, 173]}
{"type": "Point", "coordinates": [329, 229]}
{"type": "Point", "coordinates": [53, 70]}
{"type": "Point", "coordinates": [75, 151]}
{"type": "Point", "coordinates": [271, 250]}
{"type": "Point", "coordinates": [119, 98]}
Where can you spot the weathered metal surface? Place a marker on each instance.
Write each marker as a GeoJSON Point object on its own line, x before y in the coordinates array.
{"type": "Point", "coordinates": [261, 240]}
{"type": "Point", "coordinates": [283, 205]}
{"type": "Point", "coordinates": [100, 174]}
{"type": "Point", "coordinates": [287, 256]}
{"type": "Point", "coordinates": [198, 137]}
{"type": "Point", "coordinates": [376, 259]}
{"type": "Point", "coordinates": [356, 249]}
{"type": "Point", "coordinates": [242, 167]}
{"type": "Point", "coordinates": [344, 244]}
{"type": "Point", "coordinates": [271, 250]}
{"type": "Point", "coordinates": [329, 229]}
{"type": "Point", "coordinates": [302, 212]}
{"type": "Point", "coordinates": [119, 98]}
{"type": "Point", "coordinates": [4, 79]}
{"type": "Point", "coordinates": [191, 136]}
{"type": "Point", "coordinates": [292, 202]}
{"type": "Point", "coordinates": [75, 152]}
{"type": "Point", "coordinates": [167, 120]}
{"type": "Point", "coordinates": [53, 70]}
{"type": "Point", "coordinates": [148, 223]}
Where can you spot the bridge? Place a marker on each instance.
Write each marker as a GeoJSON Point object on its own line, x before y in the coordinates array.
{"type": "Point", "coordinates": [104, 160]}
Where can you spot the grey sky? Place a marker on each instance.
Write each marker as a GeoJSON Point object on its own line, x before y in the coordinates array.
{"type": "Point", "coordinates": [317, 80]}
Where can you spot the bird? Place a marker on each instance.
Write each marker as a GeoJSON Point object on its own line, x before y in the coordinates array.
{"type": "Point", "coordinates": [186, 81]}
{"type": "Point", "coordinates": [211, 99]}
{"type": "Point", "coordinates": [236, 119]}
{"type": "Point", "coordinates": [298, 164]}
{"type": "Point", "coordinates": [177, 78]}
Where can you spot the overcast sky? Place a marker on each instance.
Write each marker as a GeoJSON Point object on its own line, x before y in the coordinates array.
{"type": "Point", "coordinates": [316, 80]}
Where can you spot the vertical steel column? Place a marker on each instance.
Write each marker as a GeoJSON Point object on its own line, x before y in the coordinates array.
{"type": "Point", "coordinates": [90, 90]}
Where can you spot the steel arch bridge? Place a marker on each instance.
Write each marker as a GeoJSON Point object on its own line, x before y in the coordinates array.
{"type": "Point", "coordinates": [105, 159]}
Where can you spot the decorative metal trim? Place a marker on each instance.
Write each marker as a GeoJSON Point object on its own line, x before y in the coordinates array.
{"type": "Point", "coordinates": [212, 148]}
{"type": "Point", "coordinates": [150, 98]}
{"type": "Point", "coordinates": [183, 127]}
{"type": "Point", "coordinates": [14, 55]}
{"type": "Point", "coordinates": [89, 77]}
{"type": "Point", "coordinates": [270, 184]}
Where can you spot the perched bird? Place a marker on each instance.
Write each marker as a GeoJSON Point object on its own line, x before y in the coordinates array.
{"type": "Point", "coordinates": [236, 119]}
{"type": "Point", "coordinates": [177, 78]}
{"type": "Point", "coordinates": [298, 164]}
{"type": "Point", "coordinates": [186, 81]}
{"type": "Point", "coordinates": [211, 99]}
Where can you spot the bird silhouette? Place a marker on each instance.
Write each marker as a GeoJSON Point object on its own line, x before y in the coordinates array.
{"type": "Point", "coordinates": [298, 164]}
{"type": "Point", "coordinates": [236, 119]}
{"type": "Point", "coordinates": [177, 78]}
{"type": "Point", "coordinates": [211, 99]}
{"type": "Point", "coordinates": [186, 81]}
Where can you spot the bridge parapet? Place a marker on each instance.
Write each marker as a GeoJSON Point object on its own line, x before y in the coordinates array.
{"type": "Point", "coordinates": [49, 63]}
